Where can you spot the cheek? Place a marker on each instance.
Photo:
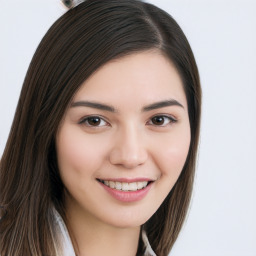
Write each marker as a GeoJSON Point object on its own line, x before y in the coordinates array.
{"type": "Point", "coordinates": [77, 153]}
{"type": "Point", "coordinates": [172, 154]}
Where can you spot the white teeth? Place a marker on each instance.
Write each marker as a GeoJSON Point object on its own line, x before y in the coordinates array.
{"type": "Point", "coordinates": [112, 184]}
{"type": "Point", "coordinates": [142, 184]}
{"type": "Point", "coordinates": [118, 185]}
{"type": "Point", "coordinates": [125, 186]}
{"type": "Point", "coordinates": [133, 186]}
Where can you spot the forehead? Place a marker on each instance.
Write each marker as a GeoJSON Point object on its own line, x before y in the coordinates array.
{"type": "Point", "coordinates": [137, 78]}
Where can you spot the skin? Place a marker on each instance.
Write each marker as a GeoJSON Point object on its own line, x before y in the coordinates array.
{"type": "Point", "coordinates": [126, 143]}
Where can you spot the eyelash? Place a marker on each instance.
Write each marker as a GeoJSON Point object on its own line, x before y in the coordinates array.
{"type": "Point", "coordinates": [167, 118]}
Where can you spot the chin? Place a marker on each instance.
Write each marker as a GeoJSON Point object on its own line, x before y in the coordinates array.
{"type": "Point", "coordinates": [128, 220]}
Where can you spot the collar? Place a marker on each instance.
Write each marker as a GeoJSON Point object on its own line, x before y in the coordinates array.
{"type": "Point", "coordinates": [63, 245]}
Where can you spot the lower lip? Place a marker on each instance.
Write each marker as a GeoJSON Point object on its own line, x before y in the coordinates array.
{"type": "Point", "coordinates": [128, 196]}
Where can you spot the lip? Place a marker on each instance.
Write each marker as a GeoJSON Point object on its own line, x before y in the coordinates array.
{"type": "Point", "coordinates": [128, 196]}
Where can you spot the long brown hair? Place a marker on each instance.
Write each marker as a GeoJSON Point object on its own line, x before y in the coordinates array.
{"type": "Point", "coordinates": [78, 43]}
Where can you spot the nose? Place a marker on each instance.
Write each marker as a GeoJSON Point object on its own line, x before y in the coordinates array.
{"type": "Point", "coordinates": [128, 150]}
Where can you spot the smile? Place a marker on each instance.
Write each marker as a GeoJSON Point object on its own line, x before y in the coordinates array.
{"type": "Point", "coordinates": [125, 186]}
{"type": "Point", "coordinates": [125, 191]}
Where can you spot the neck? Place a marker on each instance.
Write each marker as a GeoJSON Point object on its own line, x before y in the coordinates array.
{"type": "Point", "coordinates": [92, 237]}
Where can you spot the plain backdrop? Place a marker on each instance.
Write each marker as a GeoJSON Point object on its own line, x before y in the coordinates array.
{"type": "Point", "coordinates": [222, 34]}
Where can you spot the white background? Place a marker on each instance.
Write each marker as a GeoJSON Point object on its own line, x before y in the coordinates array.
{"type": "Point", "coordinates": [222, 218]}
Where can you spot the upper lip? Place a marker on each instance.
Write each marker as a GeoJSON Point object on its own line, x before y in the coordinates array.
{"type": "Point", "coordinates": [128, 180]}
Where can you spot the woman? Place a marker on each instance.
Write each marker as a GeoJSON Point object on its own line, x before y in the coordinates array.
{"type": "Point", "coordinates": [101, 155]}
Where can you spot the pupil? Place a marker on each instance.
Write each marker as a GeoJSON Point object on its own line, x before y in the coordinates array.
{"type": "Point", "coordinates": [94, 121]}
{"type": "Point", "coordinates": [158, 120]}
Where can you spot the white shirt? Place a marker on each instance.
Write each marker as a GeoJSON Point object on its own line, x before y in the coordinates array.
{"type": "Point", "coordinates": [63, 244]}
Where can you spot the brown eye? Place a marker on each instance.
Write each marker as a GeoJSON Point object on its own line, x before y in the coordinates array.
{"type": "Point", "coordinates": [93, 121]}
{"type": "Point", "coordinates": [162, 120]}
{"type": "Point", "coordinates": [158, 120]}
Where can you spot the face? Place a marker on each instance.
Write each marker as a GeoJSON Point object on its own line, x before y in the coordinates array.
{"type": "Point", "coordinates": [124, 140]}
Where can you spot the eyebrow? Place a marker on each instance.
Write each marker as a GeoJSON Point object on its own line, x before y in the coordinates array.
{"type": "Point", "coordinates": [100, 106]}
{"type": "Point", "coordinates": [162, 104]}
{"type": "Point", "coordinates": [93, 105]}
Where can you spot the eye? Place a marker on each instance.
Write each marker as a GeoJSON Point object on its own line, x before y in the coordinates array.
{"type": "Point", "coordinates": [94, 121]}
{"type": "Point", "coordinates": [161, 120]}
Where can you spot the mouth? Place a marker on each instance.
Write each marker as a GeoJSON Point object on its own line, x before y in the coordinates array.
{"type": "Point", "coordinates": [125, 186]}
